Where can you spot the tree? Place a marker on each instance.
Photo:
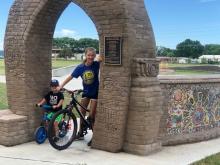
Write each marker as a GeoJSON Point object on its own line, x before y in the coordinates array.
{"type": "Point", "coordinates": [84, 43]}
{"type": "Point", "coordinates": [212, 49]}
{"type": "Point", "coordinates": [66, 53]}
{"type": "Point", "coordinates": [189, 48]}
{"type": "Point", "coordinates": [64, 42]}
{"type": "Point", "coordinates": [163, 51]}
{"type": "Point", "coordinates": [77, 46]}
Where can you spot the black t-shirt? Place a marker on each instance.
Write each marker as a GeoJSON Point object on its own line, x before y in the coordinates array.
{"type": "Point", "coordinates": [54, 98]}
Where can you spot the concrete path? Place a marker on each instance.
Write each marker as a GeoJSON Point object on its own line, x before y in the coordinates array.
{"type": "Point", "coordinates": [2, 79]}
{"type": "Point", "coordinates": [79, 154]}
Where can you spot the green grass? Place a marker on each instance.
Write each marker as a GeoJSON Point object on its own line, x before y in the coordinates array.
{"type": "Point", "coordinates": [188, 72]}
{"type": "Point", "coordinates": [55, 64]}
{"type": "Point", "coordinates": [180, 69]}
{"type": "Point", "coordinates": [211, 160]}
{"type": "Point", "coordinates": [2, 67]}
{"type": "Point", "coordinates": [192, 72]}
{"type": "Point", "coordinates": [186, 65]}
{"type": "Point", "coordinates": [190, 69]}
{"type": "Point", "coordinates": [59, 63]}
{"type": "Point", "coordinates": [3, 97]}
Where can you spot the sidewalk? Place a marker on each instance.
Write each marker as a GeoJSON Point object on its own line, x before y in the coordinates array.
{"type": "Point", "coordinates": [79, 154]}
{"type": "Point", "coordinates": [2, 79]}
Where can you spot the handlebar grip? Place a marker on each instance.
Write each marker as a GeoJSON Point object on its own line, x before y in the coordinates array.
{"type": "Point", "coordinates": [38, 105]}
{"type": "Point", "coordinates": [79, 91]}
{"type": "Point", "coordinates": [62, 90]}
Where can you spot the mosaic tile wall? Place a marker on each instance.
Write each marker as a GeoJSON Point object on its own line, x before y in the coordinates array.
{"type": "Point", "coordinates": [192, 108]}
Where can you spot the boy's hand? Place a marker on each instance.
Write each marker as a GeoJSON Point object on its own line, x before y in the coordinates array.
{"type": "Point", "coordinates": [54, 106]}
{"type": "Point", "coordinates": [38, 105]}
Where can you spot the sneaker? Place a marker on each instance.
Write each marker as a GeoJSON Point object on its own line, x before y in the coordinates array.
{"type": "Point", "coordinates": [56, 139]}
{"type": "Point", "coordinates": [89, 143]}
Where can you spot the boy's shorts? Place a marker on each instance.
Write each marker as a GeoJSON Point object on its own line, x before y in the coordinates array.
{"type": "Point", "coordinates": [58, 119]}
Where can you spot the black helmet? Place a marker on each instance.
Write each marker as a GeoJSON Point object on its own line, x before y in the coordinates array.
{"type": "Point", "coordinates": [54, 83]}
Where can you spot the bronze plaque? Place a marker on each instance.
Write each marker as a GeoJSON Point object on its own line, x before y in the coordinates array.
{"type": "Point", "coordinates": [113, 50]}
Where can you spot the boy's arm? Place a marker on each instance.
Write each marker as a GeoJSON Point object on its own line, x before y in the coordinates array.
{"type": "Point", "coordinates": [42, 102]}
{"type": "Point", "coordinates": [59, 104]}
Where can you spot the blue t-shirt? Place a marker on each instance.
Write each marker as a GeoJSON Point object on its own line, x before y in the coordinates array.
{"type": "Point", "coordinates": [90, 77]}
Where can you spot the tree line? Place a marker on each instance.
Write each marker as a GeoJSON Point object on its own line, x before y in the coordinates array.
{"type": "Point", "coordinates": [190, 49]}
{"type": "Point", "coordinates": [70, 46]}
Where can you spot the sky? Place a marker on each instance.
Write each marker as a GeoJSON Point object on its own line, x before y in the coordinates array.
{"type": "Point", "coordinates": [173, 21]}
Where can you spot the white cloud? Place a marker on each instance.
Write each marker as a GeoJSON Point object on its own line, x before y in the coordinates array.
{"type": "Point", "coordinates": [66, 33]}
{"type": "Point", "coordinates": [206, 1]}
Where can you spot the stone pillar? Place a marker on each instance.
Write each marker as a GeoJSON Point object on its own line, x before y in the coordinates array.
{"type": "Point", "coordinates": [145, 108]}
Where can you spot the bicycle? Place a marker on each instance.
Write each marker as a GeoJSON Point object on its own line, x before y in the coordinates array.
{"type": "Point", "coordinates": [67, 127]}
{"type": "Point", "coordinates": [40, 133]}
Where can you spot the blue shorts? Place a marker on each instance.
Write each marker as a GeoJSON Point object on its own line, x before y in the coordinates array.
{"type": "Point", "coordinates": [94, 96]}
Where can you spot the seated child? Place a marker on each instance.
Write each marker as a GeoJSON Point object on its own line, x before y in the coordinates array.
{"type": "Point", "coordinates": [53, 101]}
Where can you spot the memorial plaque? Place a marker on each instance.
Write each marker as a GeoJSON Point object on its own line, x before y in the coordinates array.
{"type": "Point", "coordinates": [113, 50]}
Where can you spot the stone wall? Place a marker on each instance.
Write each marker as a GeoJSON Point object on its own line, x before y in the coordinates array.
{"type": "Point", "coordinates": [191, 109]}
{"type": "Point", "coordinates": [131, 101]}
{"type": "Point", "coordinates": [28, 44]}
{"type": "Point", "coordinates": [145, 110]}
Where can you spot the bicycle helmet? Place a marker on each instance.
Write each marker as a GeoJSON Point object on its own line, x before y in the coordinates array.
{"type": "Point", "coordinates": [54, 83]}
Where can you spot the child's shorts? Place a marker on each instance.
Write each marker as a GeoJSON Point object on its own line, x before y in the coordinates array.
{"type": "Point", "coordinates": [58, 119]}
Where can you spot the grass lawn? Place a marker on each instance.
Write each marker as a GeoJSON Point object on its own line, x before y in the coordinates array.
{"type": "Point", "coordinates": [192, 72]}
{"type": "Point", "coordinates": [4, 102]}
{"type": "Point", "coordinates": [3, 97]}
{"type": "Point", "coordinates": [186, 65]}
{"type": "Point", "coordinates": [2, 67]}
{"type": "Point", "coordinates": [59, 63]}
{"type": "Point", "coordinates": [55, 64]}
{"type": "Point", "coordinates": [190, 69]}
{"type": "Point", "coordinates": [211, 160]}
{"type": "Point", "coordinates": [180, 69]}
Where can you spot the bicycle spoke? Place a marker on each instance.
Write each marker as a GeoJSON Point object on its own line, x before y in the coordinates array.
{"type": "Point", "coordinates": [64, 125]}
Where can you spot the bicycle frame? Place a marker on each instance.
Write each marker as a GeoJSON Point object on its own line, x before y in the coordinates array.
{"type": "Point", "coordinates": [63, 126]}
{"type": "Point", "coordinates": [73, 104]}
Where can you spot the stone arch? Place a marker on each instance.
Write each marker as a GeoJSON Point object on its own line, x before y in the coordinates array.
{"type": "Point", "coordinates": [130, 101]}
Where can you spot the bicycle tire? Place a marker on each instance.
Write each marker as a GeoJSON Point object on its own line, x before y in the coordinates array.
{"type": "Point", "coordinates": [51, 137]}
{"type": "Point", "coordinates": [40, 135]}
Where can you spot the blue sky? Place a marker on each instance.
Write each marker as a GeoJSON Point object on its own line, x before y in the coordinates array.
{"type": "Point", "coordinates": [173, 21]}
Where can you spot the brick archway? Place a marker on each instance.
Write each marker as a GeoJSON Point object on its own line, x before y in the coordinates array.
{"type": "Point", "coordinates": [130, 100]}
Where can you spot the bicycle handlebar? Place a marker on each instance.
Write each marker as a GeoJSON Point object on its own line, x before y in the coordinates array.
{"type": "Point", "coordinates": [77, 91]}
{"type": "Point", "coordinates": [38, 105]}
{"type": "Point", "coordinates": [45, 107]}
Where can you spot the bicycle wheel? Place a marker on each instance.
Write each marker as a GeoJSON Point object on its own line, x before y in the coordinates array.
{"type": "Point", "coordinates": [62, 129]}
{"type": "Point", "coordinates": [40, 134]}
